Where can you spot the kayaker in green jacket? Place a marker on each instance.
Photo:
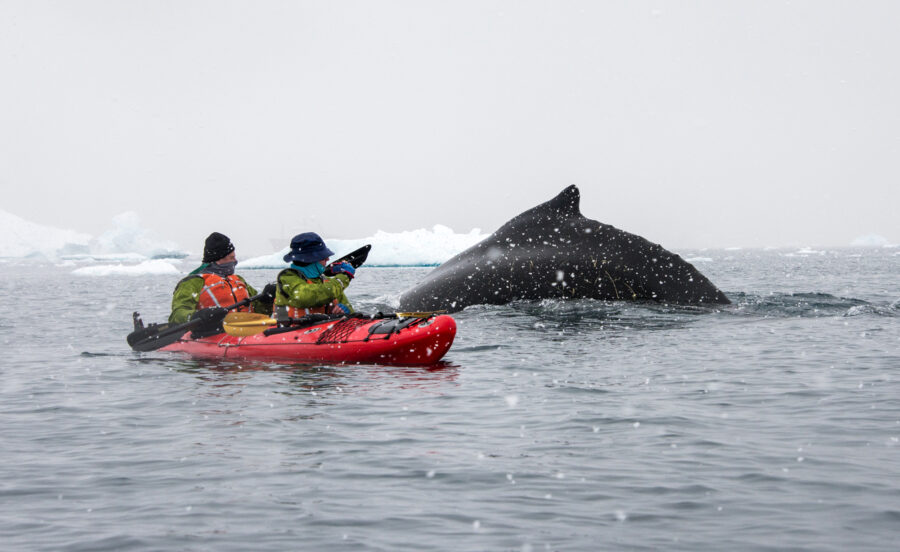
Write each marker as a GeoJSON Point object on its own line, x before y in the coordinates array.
{"type": "Point", "coordinates": [310, 285]}
{"type": "Point", "coordinates": [214, 285]}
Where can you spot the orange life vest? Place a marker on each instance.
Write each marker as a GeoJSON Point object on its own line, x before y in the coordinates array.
{"type": "Point", "coordinates": [222, 292]}
{"type": "Point", "coordinates": [296, 312]}
{"type": "Point", "coordinates": [282, 312]}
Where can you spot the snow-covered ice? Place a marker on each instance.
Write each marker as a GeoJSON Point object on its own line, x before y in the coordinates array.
{"type": "Point", "coordinates": [410, 248]}
{"type": "Point", "coordinates": [127, 247]}
{"type": "Point", "coordinates": [153, 266]}
{"type": "Point", "coordinates": [22, 238]}
{"type": "Point", "coordinates": [871, 240]}
{"type": "Point", "coordinates": [125, 241]}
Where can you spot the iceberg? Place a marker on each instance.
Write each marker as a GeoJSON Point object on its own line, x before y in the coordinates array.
{"type": "Point", "coordinates": [127, 247]}
{"type": "Point", "coordinates": [151, 267]}
{"type": "Point", "coordinates": [129, 238]}
{"type": "Point", "coordinates": [126, 241]}
{"type": "Point", "coordinates": [870, 240]}
{"type": "Point", "coordinates": [22, 239]}
{"type": "Point", "coordinates": [420, 247]}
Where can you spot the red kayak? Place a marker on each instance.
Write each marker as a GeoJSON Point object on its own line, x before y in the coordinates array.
{"type": "Point", "coordinates": [409, 341]}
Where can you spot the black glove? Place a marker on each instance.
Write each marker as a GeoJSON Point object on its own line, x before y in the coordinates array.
{"type": "Point", "coordinates": [268, 293]}
{"type": "Point", "coordinates": [210, 316]}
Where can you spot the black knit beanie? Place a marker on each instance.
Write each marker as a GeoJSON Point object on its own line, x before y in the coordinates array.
{"type": "Point", "coordinates": [217, 246]}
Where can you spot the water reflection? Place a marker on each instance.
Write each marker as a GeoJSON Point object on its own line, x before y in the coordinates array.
{"type": "Point", "coordinates": [590, 315]}
{"type": "Point", "coordinates": [318, 379]}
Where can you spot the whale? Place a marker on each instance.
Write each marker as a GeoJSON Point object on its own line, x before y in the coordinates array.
{"type": "Point", "coordinates": [552, 251]}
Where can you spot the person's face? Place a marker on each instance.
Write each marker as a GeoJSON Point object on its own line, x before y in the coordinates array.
{"type": "Point", "coordinates": [230, 258]}
{"type": "Point", "coordinates": [324, 262]}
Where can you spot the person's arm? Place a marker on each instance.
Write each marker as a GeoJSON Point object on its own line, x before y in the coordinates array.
{"type": "Point", "coordinates": [185, 299]}
{"type": "Point", "coordinates": [303, 295]}
{"type": "Point", "coordinates": [344, 274]}
{"type": "Point", "coordinates": [346, 302]}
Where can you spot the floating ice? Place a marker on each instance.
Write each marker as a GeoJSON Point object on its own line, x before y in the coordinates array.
{"type": "Point", "coordinates": [154, 266]}
{"type": "Point", "coordinates": [125, 241]}
{"type": "Point", "coordinates": [410, 248]}
{"type": "Point", "coordinates": [21, 238]}
{"type": "Point", "coordinates": [870, 240]}
{"type": "Point", "coordinates": [129, 238]}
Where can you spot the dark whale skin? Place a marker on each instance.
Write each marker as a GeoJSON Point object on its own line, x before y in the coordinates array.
{"type": "Point", "coordinates": [553, 252]}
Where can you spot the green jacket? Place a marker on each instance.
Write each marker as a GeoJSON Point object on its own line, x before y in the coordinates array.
{"type": "Point", "coordinates": [186, 297]}
{"type": "Point", "coordinates": [296, 291]}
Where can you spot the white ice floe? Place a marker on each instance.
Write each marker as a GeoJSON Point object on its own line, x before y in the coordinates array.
{"type": "Point", "coordinates": [410, 248]}
{"type": "Point", "coordinates": [21, 238]}
{"type": "Point", "coordinates": [128, 237]}
{"type": "Point", "coordinates": [125, 241]}
{"type": "Point", "coordinates": [871, 240]}
{"type": "Point", "coordinates": [151, 267]}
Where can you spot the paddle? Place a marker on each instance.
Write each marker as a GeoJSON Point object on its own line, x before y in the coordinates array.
{"type": "Point", "coordinates": [157, 336]}
{"type": "Point", "coordinates": [356, 257]}
{"type": "Point", "coordinates": [248, 323]}
{"type": "Point", "coordinates": [419, 314]}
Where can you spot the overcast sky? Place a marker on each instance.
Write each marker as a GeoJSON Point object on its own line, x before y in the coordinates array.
{"type": "Point", "coordinates": [693, 124]}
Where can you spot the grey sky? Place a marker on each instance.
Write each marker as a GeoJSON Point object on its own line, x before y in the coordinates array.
{"type": "Point", "coordinates": [693, 124]}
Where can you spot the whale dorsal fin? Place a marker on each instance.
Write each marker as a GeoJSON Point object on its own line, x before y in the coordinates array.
{"type": "Point", "coordinates": [566, 205]}
{"type": "Point", "coordinates": [566, 202]}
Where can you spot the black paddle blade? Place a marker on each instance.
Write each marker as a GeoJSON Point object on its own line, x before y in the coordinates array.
{"type": "Point", "coordinates": [357, 257]}
{"type": "Point", "coordinates": [157, 336]}
{"type": "Point", "coordinates": [143, 334]}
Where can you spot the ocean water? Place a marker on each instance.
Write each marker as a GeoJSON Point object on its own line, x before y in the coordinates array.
{"type": "Point", "coordinates": [770, 424]}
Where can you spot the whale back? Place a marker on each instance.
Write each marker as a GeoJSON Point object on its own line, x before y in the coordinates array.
{"type": "Point", "coordinates": [553, 251]}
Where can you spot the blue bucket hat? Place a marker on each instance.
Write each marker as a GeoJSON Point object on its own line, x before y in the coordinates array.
{"type": "Point", "coordinates": [307, 248]}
